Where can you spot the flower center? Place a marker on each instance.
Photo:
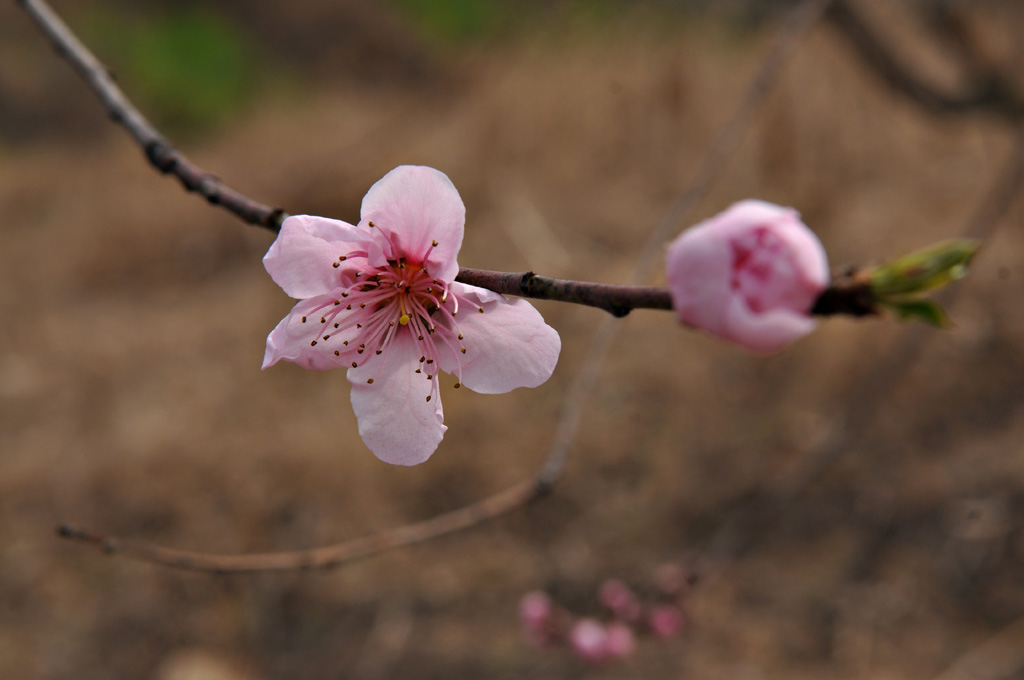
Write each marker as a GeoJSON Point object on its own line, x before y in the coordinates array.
{"type": "Point", "coordinates": [376, 303]}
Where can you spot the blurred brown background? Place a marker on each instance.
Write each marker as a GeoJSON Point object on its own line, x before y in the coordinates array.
{"type": "Point", "coordinates": [133, 318]}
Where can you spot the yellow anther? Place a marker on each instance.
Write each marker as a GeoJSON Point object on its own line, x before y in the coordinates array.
{"type": "Point", "coordinates": [404, 319]}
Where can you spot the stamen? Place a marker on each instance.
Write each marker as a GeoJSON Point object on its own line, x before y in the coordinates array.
{"type": "Point", "coordinates": [433, 244]}
{"type": "Point", "coordinates": [369, 381]}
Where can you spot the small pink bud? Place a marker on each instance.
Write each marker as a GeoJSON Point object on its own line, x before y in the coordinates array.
{"type": "Point", "coordinates": [670, 579]}
{"type": "Point", "coordinates": [535, 609]}
{"type": "Point", "coordinates": [619, 599]}
{"type": "Point", "coordinates": [589, 640]}
{"type": "Point", "coordinates": [749, 275]}
{"type": "Point", "coordinates": [665, 621]}
{"type": "Point", "coordinates": [536, 614]}
{"type": "Point", "coordinates": [619, 640]}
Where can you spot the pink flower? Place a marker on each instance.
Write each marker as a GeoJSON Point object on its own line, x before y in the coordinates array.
{"type": "Point", "coordinates": [671, 579]}
{"type": "Point", "coordinates": [619, 640]}
{"type": "Point", "coordinates": [588, 639]}
{"type": "Point", "coordinates": [619, 599]}
{"type": "Point", "coordinates": [535, 609]}
{"type": "Point", "coordinates": [665, 621]}
{"type": "Point", "coordinates": [536, 614]}
{"type": "Point", "coordinates": [749, 275]}
{"type": "Point", "coordinates": [596, 643]}
{"type": "Point", "coordinates": [379, 298]}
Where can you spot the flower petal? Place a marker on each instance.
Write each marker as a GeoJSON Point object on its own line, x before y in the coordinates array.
{"type": "Point", "coordinates": [507, 346]}
{"type": "Point", "coordinates": [698, 270]}
{"type": "Point", "coordinates": [810, 263]}
{"type": "Point", "coordinates": [396, 420]}
{"type": "Point", "coordinates": [414, 206]}
{"type": "Point", "coordinates": [765, 333]}
{"type": "Point", "coordinates": [302, 258]}
{"type": "Point", "coordinates": [291, 339]}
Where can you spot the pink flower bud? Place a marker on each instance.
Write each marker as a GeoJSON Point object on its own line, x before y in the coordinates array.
{"type": "Point", "coordinates": [619, 640]}
{"type": "Point", "coordinates": [535, 609]}
{"type": "Point", "coordinates": [589, 640]}
{"type": "Point", "coordinates": [671, 579]}
{"type": "Point", "coordinates": [619, 599]}
{"type": "Point", "coordinates": [665, 621]}
{"type": "Point", "coordinates": [536, 614]}
{"type": "Point", "coordinates": [749, 275]}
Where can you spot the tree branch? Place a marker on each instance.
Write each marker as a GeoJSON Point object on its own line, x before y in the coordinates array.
{"type": "Point", "coordinates": [616, 299]}
{"type": "Point", "coordinates": [316, 558]}
{"type": "Point", "coordinates": [157, 149]}
{"type": "Point", "coordinates": [848, 294]}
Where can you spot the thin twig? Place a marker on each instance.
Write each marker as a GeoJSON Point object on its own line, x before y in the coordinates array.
{"type": "Point", "coordinates": [617, 300]}
{"type": "Point", "coordinates": [158, 150]}
{"type": "Point", "coordinates": [316, 558]}
{"type": "Point", "coordinates": [800, 21]}
{"type": "Point", "coordinates": [989, 90]}
{"type": "Point", "coordinates": [847, 295]}
{"type": "Point", "coordinates": [806, 15]}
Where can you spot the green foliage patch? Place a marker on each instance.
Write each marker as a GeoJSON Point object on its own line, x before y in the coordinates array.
{"type": "Point", "coordinates": [190, 68]}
